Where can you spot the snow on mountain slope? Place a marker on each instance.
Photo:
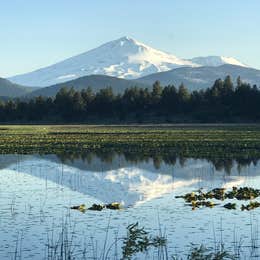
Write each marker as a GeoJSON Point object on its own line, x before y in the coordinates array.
{"type": "Point", "coordinates": [215, 61]}
{"type": "Point", "coordinates": [123, 58]}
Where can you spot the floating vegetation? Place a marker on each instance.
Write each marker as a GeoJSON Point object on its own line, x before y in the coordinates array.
{"type": "Point", "coordinates": [199, 198]}
{"type": "Point", "coordinates": [218, 193]}
{"type": "Point", "coordinates": [98, 207]}
{"type": "Point", "coordinates": [230, 206]}
{"type": "Point", "coordinates": [198, 204]}
{"type": "Point", "coordinates": [114, 205]}
{"type": "Point", "coordinates": [81, 208]}
{"type": "Point", "coordinates": [251, 205]}
{"type": "Point", "coordinates": [244, 193]}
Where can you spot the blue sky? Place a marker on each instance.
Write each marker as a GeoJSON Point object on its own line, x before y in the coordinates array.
{"type": "Point", "coordinates": [38, 33]}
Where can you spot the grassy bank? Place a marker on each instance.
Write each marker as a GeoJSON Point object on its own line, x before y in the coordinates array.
{"type": "Point", "coordinates": [186, 140]}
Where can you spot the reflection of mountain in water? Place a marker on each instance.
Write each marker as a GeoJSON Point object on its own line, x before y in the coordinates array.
{"type": "Point", "coordinates": [126, 185]}
{"type": "Point", "coordinates": [129, 183]}
{"type": "Point", "coordinates": [8, 159]}
{"type": "Point", "coordinates": [109, 160]}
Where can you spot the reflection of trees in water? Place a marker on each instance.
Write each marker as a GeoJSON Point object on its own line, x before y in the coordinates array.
{"type": "Point", "coordinates": [135, 157]}
{"type": "Point", "coordinates": [227, 164]}
{"type": "Point", "coordinates": [223, 164]}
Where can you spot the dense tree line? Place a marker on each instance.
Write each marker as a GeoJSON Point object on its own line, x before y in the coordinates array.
{"type": "Point", "coordinates": [223, 102]}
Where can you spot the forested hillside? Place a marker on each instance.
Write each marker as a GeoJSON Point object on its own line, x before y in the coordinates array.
{"type": "Point", "coordinates": [223, 102]}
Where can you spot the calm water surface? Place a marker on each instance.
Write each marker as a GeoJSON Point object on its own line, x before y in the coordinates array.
{"type": "Point", "coordinates": [37, 191]}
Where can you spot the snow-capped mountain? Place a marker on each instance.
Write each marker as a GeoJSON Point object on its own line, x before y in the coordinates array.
{"type": "Point", "coordinates": [123, 58]}
{"type": "Point", "coordinates": [215, 61]}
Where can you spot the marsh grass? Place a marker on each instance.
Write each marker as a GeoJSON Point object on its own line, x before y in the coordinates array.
{"type": "Point", "coordinates": [136, 244]}
{"type": "Point", "coordinates": [17, 255]}
{"type": "Point", "coordinates": [62, 244]}
{"type": "Point", "coordinates": [138, 240]}
{"type": "Point", "coordinates": [204, 253]}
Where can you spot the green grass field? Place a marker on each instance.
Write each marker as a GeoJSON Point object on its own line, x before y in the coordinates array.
{"type": "Point", "coordinates": [186, 140]}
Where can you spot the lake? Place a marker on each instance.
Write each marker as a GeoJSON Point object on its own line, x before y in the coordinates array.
{"type": "Point", "coordinates": [37, 191]}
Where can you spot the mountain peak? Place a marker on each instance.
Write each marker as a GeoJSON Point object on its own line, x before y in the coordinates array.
{"type": "Point", "coordinates": [124, 41]}
{"type": "Point", "coordinates": [126, 38]}
{"type": "Point", "coordinates": [123, 58]}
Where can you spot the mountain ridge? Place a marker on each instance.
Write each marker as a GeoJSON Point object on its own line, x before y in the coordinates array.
{"type": "Point", "coordinates": [202, 77]}
{"type": "Point", "coordinates": [123, 58]}
{"type": "Point", "coordinates": [193, 78]}
{"type": "Point", "coordinates": [96, 82]}
{"type": "Point", "coordinates": [215, 61]}
{"type": "Point", "coordinates": [9, 89]}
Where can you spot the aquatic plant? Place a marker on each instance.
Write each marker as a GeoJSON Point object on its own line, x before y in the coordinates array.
{"type": "Point", "coordinates": [200, 198]}
{"type": "Point", "coordinates": [203, 253]}
{"type": "Point", "coordinates": [81, 208]}
{"type": "Point", "coordinates": [230, 206]}
{"type": "Point", "coordinates": [114, 205]}
{"type": "Point", "coordinates": [197, 204]}
{"type": "Point", "coordinates": [98, 207]}
{"type": "Point", "coordinates": [190, 141]}
{"type": "Point", "coordinates": [250, 206]}
{"type": "Point", "coordinates": [138, 240]}
{"type": "Point", "coordinates": [243, 193]}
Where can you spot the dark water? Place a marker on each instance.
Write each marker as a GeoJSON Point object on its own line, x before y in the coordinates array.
{"type": "Point", "coordinates": [36, 193]}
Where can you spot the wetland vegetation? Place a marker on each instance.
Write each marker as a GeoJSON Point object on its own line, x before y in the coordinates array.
{"type": "Point", "coordinates": [197, 141]}
{"type": "Point", "coordinates": [56, 169]}
{"type": "Point", "coordinates": [199, 198]}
